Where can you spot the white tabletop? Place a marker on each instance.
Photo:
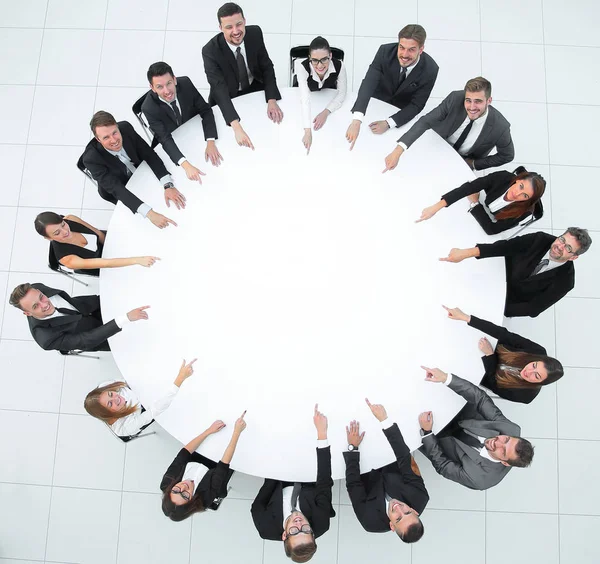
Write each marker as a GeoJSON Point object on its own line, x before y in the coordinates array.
{"type": "Point", "coordinates": [301, 279]}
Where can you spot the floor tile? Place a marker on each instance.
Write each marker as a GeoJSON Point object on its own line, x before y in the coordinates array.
{"type": "Point", "coordinates": [587, 271]}
{"type": "Point", "coordinates": [88, 455]}
{"type": "Point", "coordinates": [564, 67]}
{"type": "Point", "coordinates": [198, 16]}
{"type": "Point", "coordinates": [577, 348]}
{"type": "Point", "coordinates": [137, 14]}
{"type": "Point", "coordinates": [452, 19]}
{"type": "Point", "coordinates": [19, 99]}
{"type": "Point", "coordinates": [498, 21]}
{"type": "Point", "coordinates": [80, 14]}
{"type": "Point", "coordinates": [118, 101]}
{"type": "Point", "coordinates": [278, 47]}
{"type": "Point", "coordinates": [23, 528]}
{"type": "Point", "coordinates": [372, 17]}
{"type": "Point", "coordinates": [244, 486]}
{"type": "Point", "coordinates": [564, 210]}
{"type": "Point", "coordinates": [578, 542]}
{"type": "Point", "coordinates": [8, 218]}
{"type": "Point", "coordinates": [578, 486]}
{"type": "Point", "coordinates": [28, 13]}
{"type": "Point", "coordinates": [12, 158]}
{"type": "Point", "coordinates": [100, 219]}
{"type": "Point", "coordinates": [27, 428]}
{"type": "Point", "coordinates": [533, 538]}
{"type": "Point", "coordinates": [91, 198]}
{"type": "Point", "coordinates": [4, 292]}
{"type": "Point", "coordinates": [334, 18]}
{"type": "Point", "coordinates": [146, 535]}
{"type": "Point", "coordinates": [84, 526]}
{"type": "Point", "coordinates": [560, 124]}
{"type": "Point", "coordinates": [556, 13]}
{"type": "Point", "coordinates": [539, 329]}
{"type": "Point", "coordinates": [22, 47]}
{"type": "Point", "coordinates": [577, 393]}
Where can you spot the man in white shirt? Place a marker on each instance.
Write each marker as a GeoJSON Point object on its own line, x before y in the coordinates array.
{"type": "Point", "coordinates": [60, 322]}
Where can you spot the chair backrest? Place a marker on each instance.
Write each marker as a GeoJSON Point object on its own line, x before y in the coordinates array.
{"type": "Point", "coordinates": [137, 110]}
{"type": "Point", "coordinates": [53, 263]}
{"type": "Point", "coordinates": [137, 435]}
{"type": "Point", "coordinates": [301, 52]}
{"type": "Point", "coordinates": [218, 501]}
{"type": "Point", "coordinates": [81, 166]}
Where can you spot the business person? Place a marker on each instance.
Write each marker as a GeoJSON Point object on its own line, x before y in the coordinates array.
{"type": "Point", "coordinates": [192, 482]}
{"type": "Point", "coordinates": [298, 513]}
{"type": "Point", "coordinates": [480, 445]}
{"type": "Point", "coordinates": [468, 122]}
{"type": "Point", "coordinates": [236, 62]}
{"type": "Point", "coordinates": [508, 199]}
{"type": "Point", "coordinates": [78, 245]}
{"type": "Point", "coordinates": [319, 71]}
{"type": "Point", "coordinates": [63, 323]}
{"type": "Point", "coordinates": [389, 498]}
{"type": "Point", "coordinates": [518, 368]}
{"type": "Point", "coordinates": [539, 267]}
{"type": "Point", "coordinates": [114, 154]}
{"type": "Point", "coordinates": [402, 75]}
{"type": "Point", "coordinates": [171, 102]}
{"type": "Point", "coordinates": [116, 404]}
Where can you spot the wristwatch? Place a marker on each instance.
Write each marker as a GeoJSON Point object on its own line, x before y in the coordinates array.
{"type": "Point", "coordinates": [352, 448]}
{"type": "Point", "coordinates": [424, 433]}
{"type": "Point", "coordinates": [169, 185]}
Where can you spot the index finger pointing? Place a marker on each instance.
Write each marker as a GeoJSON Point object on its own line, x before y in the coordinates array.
{"type": "Point", "coordinates": [368, 402]}
{"type": "Point", "coordinates": [242, 415]}
{"type": "Point", "coordinates": [171, 222]}
{"type": "Point", "coordinates": [192, 362]}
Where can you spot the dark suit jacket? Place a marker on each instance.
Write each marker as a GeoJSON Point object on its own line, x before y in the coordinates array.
{"type": "Point", "coordinates": [314, 499]}
{"type": "Point", "coordinates": [161, 117]}
{"type": "Point", "coordinates": [111, 174]}
{"type": "Point", "coordinates": [383, 76]}
{"type": "Point", "coordinates": [212, 485]}
{"type": "Point", "coordinates": [512, 342]}
{"type": "Point", "coordinates": [80, 331]}
{"type": "Point", "coordinates": [222, 72]}
{"type": "Point", "coordinates": [446, 119]}
{"type": "Point", "coordinates": [495, 185]}
{"type": "Point", "coordinates": [367, 492]}
{"type": "Point", "coordinates": [460, 462]}
{"type": "Point", "coordinates": [528, 295]}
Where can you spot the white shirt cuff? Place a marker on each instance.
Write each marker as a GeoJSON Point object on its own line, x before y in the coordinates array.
{"type": "Point", "coordinates": [210, 139]}
{"type": "Point", "coordinates": [166, 178]}
{"type": "Point", "coordinates": [400, 144]}
{"type": "Point", "coordinates": [122, 320]}
{"type": "Point", "coordinates": [322, 443]}
{"type": "Point", "coordinates": [448, 380]}
{"type": "Point", "coordinates": [144, 209]}
{"type": "Point", "coordinates": [386, 423]}
{"type": "Point", "coordinates": [181, 160]}
{"type": "Point", "coordinates": [391, 122]}
{"type": "Point", "coordinates": [358, 115]}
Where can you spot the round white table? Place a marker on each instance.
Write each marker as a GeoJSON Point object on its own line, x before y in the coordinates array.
{"type": "Point", "coordinates": [300, 279]}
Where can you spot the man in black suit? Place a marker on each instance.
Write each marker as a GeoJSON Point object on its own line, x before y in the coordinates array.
{"type": "Point", "coordinates": [236, 62]}
{"type": "Point", "coordinates": [62, 323]}
{"type": "Point", "coordinates": [392, 497]}
{"type": "Point", "coordinates": [171, 102]}
{"type": "Point", "coordinates": [298, 513]}
{"type": "Point", "coordinates": [467, 121]}
{"type": "Point", "coordinates": [401, 74]}
{"type": "Point", "coordinates": [539, 267]}
{"type": "Point", "coordinates": [113, 156]}
{"type": "Point", "coordinates": [480, 445]}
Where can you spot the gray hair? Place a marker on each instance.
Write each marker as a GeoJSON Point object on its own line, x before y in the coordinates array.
{"type": "Point", "coordinates": [583, 238]}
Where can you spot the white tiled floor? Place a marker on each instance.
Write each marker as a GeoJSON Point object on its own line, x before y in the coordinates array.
{"type": "Point", "coordinates": [71, 493]}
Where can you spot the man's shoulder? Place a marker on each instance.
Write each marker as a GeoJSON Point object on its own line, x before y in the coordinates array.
{"type": "Point", "coordinates": [213, 44]}
{"type": "Point", "coordinates": [150, 101]}
{"type": "Point", "coordinates": [253, 32]}
{"type": "Point", "coordinates": [429, 63]}
{"type": "Point", "coordinates": [125, 125]}
{"type": "Point", "coordinates": [498, 119]}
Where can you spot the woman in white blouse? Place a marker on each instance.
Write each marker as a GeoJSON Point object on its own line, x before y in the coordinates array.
{"type": "Point", "coordinates": [509, 198]}
{"type": "Point", "coordinates": [116, 404]}
{"type": "Point", "coordinates": [319, 71]}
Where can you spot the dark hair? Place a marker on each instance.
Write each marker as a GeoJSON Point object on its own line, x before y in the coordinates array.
{"type": "Point", "coordinates": [101, 119]}
{"type": "Point", "coordinates": [583, 238]}
{"type": "Point", "coordinates": [318, 43]}
{"type": "Point", "coordinates": [301, 553]}
{"type": "Point", "coordinates": [158, 69]}
{"type": "Point", "coordinates": [479, 84]}
{"type": "Point", "coordinates": [181, 512]}
{"type": "Point", "coordinates": [18, 294]}
{"type": "Point", "coordinates": [228, 9]}
{"type": "Point", "coordinates": [519, 359]}
{"type": "Point", "coordinates": [524, 452]}
{"type": "Point", "coordinates": [414, 532]}
{"type": "Point", "coordinates": [523, 207]}
{"type": "Point", "coordinates": [413, 31]}
{"type": "Point", "coordinates": [44, 219]}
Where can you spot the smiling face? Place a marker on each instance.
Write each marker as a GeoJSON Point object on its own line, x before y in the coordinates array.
{"type": "Point", "coordinates": [520, 191]}
{"type": "Point", "coordinates": [534, 372]}
{"type": "Point", "coordinates": [164, 86]}
{"type": "Point", "coordinates": [36, 304]}
{"type": "Point", "coordinates": [296, 520]}
{"type": "Point", "coordinates": [401, 516]}
{"type": "Point", "coordinates": [564, 248]}
{"type": "Point", "coordinates": [58, 232]}
{"type": "Point", "coordinates": [319, 59]}
{"type": "Point", "coordinates": [408, 52]}
{"type": "Point", "coordinates": [112, 401]}
{"type": "Point", "coordinates": [476, 104]}
{"type": "Point", "coordinates": [109, 137]}
{"type": "Point", "coordinates": [233, 28]}
{"type": "Point", "coordinates": [182, 492]}
{"type": "Point", "coordinates": [502, 448]}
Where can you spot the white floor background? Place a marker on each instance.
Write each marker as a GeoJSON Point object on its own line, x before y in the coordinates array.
{"type": "Point", "coordinates": [71, 493]}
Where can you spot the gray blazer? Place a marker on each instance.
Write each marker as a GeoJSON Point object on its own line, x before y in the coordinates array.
{"type": "Point", "coordinates": [461, 463]}
{"type": "Point", "coordinates": [446, 119]}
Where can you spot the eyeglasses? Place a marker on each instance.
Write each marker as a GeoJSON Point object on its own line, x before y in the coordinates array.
{"type": "Point", "coordinates": [323, 61]}
{"type": "Point", "coordinates": [183, 494]}
{"type": "Point", "coordinates": [304, 529]}
{"type": "Point", "coordinates": [568, 248]}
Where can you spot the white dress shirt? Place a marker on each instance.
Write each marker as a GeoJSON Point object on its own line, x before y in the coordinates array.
{"type": "Point", "coordinates": [194, 471]}
{"type": "Point", "coordinates": [57, 302]}
{"type": "Point", "coordinates": [92, 242]}
{"type": "Point", "coordinates": [499, 203]}
{"type": "Point", "coordinates": [242, 47]}
{"type": "Point", "coordinates": [551, 263]}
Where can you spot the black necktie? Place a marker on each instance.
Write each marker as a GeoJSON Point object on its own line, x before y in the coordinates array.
{"type": "Point", "coordinates": [469, 439]}
{"type": "Point", "coordinates": [243, 72]}
{"type": "Point", "coordinates": [295, 494]}
{"type": "Point", "coordinates": [177, 112]}
{"type": "Point", "coordinates": [463, 136]}
{"type": "Point", "coordinates": [543, 263]}
{"type": "Point", "coordinates": [402, 76]}
{"type": "Point", "coordinates": [67, 311]}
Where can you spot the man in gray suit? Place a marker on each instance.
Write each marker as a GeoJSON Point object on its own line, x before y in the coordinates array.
{"type": "Point", "coordinates": [480, 446]}
{"type": "Point", "coordinates": [469, 123]}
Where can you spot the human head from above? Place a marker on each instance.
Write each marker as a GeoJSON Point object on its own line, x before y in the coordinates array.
{"type": "Point", "coordinates": [524, 193]}
{"type": "Point", "coordinates": [405, 521]}
{"type": "Point", "coordinates": [298, 538]}
{"type": "Point", "coordinates": [532, 370]}
{"type": "Point", "coordinates": [106, 131]}
{"type": "Point", "coordinates": [411, 42]}
{"type": "Point", "coordinates": [478, 96]}
{"type": "Point", "coordinates": [570, 245]}
{"type": "Point", "coordinates": [33, 303]}
{"type": "Point", "coordinates": [232, 23]}
{"type": "Point", "coordinates": [319, 54]}
{"type": "Point", "coordinates": [52, 226]}
{"type": "Point", "coordinates": [162, 81]}
{"type": "Point", "coordinates": [179, 500]}
{"type": "Point", "coordinates": [510, 451]}
{"type": "Point", "coordinates": [105, 403]}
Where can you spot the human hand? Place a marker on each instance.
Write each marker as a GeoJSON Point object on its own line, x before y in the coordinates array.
{"type": "Point", "coordinates": [213, 154]}
{"type": "Point", "coordinates": [426, 420]}
{"type": "Point", "coordinates": [456, 255]}
{"type": "Point", "coordinates": [428, 213]}
{"type": "Point", "coordinates": [485, 347]}
{"type": "Point", "coordinates": [240, 424]}
{"type": "Point", "coordinates": [138, 313]}
{"type": "Point", "coordinates": [391, 161]}
{"type": "Point", "coordinates": [320, 119]}
{"type": "Point", "coordinates": [192, 173]}
{"type": "Point", "coordinates": [434, 375]}
{"type": "Point", "coordinates": [159, 219]}
{"type": "Point", "coordinates": [175, 196]}
{"type": "Point", "coordinates": [353, 434]}
{"type": "Point", "coordinates": [352, 132]}
{"type": "Point", "coordinates": [307, 140]}
{"type": "Point", "coordinates": [274, 111]}
{"type": "Point", "coordinates": [215, 427]}
{"type": "Point", "coordinates": [320, 422]}
{"type": "Point", "coordinates": [379, 127]}
{"type": "Point", "coordinates": [377, 410]}
{"type": "Point", "coordinates": [186, 370]}
{"type": "Point", "coordinates": [242, 138]}
{"type": "Point", "coordinates": [146, 261]}
{"type": "Point", "coordinates": [457, 314]}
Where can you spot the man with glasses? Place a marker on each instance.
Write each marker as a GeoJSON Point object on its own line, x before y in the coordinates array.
{"type": "Point", "coordinates": [298, 513]}
{"type": "Point", "coordinates": [539, 267]}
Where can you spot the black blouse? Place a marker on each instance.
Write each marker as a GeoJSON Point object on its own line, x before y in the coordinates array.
{"type": "Point", "coordinates": [62, 250]}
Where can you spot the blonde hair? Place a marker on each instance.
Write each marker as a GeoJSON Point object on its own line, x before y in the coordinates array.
{"type": "Point", "coordinates": [93, 406]}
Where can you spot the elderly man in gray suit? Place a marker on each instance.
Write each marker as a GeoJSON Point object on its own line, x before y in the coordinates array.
{"type": "Point", "coordinates": [480, 445]}
{"type": "Point", "coordinates": [467, 121]}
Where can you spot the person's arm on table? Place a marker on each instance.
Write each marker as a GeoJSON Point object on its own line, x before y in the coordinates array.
{"type": "Point", "coordinates": [77, 263]}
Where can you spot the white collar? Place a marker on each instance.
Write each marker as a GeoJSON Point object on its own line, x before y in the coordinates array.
{"type": "Point", "coordinates": [234, 47]}
{"type": "Point", "coordinates": [315, 76]}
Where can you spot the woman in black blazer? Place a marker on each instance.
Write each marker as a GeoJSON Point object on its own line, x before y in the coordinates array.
{"type": "Point", "coordinates": [79, 245]}
{"type": "Point", "coordinates": [518, 368]}
{"type": "Point", "coordinates": [508, 199]}
{"type": "Point", "coordinates": [192, 482]}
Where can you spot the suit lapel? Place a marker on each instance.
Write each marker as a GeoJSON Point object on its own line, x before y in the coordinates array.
{"type": "Point", "coordinates": [414, 76]}
{"type": "Point", "coordinates": [487, 130]}
{"type": "Point", "coordinates": [228, 55]}
{"type": "Point", "coordinates": [166, 108]}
